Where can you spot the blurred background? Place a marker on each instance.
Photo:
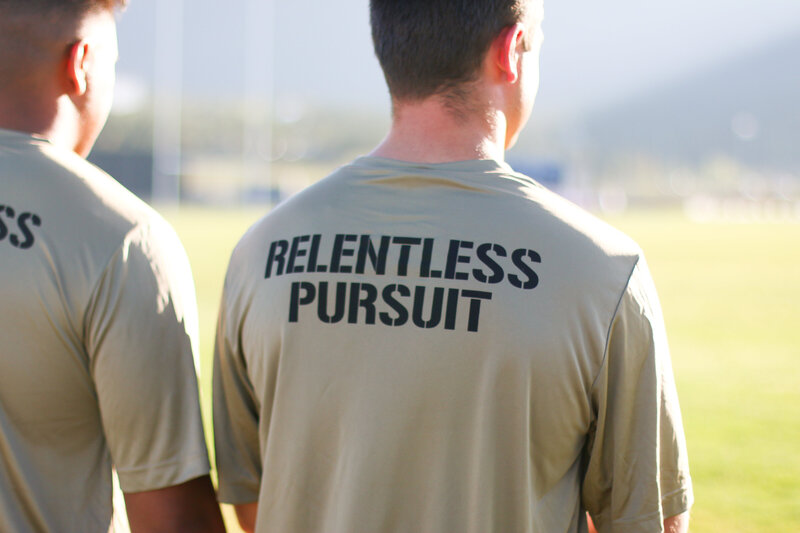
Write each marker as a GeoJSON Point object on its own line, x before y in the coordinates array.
{"type": "Point", "coordinates": [680, 102]}
{"type": "Point", "coordinates": [677, 121]}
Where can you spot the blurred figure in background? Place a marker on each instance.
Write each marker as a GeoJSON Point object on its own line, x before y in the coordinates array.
{"type": "Point", "coordinates": [98, 320]}
{"type": "Point", "coordinates": [428, 341]}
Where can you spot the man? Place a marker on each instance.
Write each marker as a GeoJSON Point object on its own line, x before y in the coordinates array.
{"type": "Point", "coordinates": [98, 319]}
{"type": "Point", "coordinates": [428, 341]}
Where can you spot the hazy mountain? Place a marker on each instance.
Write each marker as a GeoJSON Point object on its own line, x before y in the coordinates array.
{"type": "Point", "coordinates": [747, 108]}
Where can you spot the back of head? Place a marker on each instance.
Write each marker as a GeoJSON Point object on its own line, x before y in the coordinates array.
{"type": "Point", "coordinates": [53, 15]}
{"type": "Point", "coordinates": [430, 47]}
{"type": "Point", "coordinates": [57, 68]}
{"type": "Point", "coordinates": [64, 7]}
{"type": "Point", "coordinates": [34, 31]}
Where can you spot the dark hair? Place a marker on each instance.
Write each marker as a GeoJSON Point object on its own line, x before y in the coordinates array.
{"type": "Point", "coordinates": [76, 7]}
{"type": "Point", "coordinates": [427, 47]}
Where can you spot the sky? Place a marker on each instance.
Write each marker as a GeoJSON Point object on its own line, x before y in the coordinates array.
{"type": "Point", "coordinates": [594, 52]}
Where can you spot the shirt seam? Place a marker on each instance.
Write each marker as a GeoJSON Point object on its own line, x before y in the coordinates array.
{"type": "Point", "coordinates": [611, 323]}
{"type": "Point", "coordinates": [138, 226]}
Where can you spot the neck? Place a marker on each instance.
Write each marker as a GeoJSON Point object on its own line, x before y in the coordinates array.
{"type": "Point", "coordinates": [429, 132]}
{"type": "Point", "coordinates": [49, 118]}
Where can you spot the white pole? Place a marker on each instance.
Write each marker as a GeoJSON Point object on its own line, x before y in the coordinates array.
{"type": "Point", "coordinates": [258, 94]}
{"type": "Point", "coordinates": [167, 101]}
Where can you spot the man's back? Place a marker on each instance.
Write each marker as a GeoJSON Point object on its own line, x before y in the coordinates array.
{"type": "Point", "coordinates": [97, 322]}
{"type": "Point", "coordinates": [427, 341]}
{"type": "Point", "coordinates": [411, 347]}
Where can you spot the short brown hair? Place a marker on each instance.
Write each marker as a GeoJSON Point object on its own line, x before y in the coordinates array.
{"type": "Point", "coordinates": [427, 47]}
{"type": "Point", "coordinates": [30, 30]}
{"type": "Point", "coordinates": [74, 7]}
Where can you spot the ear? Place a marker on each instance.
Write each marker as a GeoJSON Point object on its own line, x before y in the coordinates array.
{"type": "Point", "coordinates": [77, 67]}
{"type": "Point", "coordinates": [509, 46]}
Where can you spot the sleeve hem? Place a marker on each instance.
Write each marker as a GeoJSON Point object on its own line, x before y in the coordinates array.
{"type": "Point", "coordinates": [672, 504]}
{"type": "Point", "coordinates": [677, 502]}
{"type": "Point", "coordinates": [164, 475]}
{"type": "Point", "coordinates": [236, 494]}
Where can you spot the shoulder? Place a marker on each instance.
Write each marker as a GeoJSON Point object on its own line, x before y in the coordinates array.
{"type": "Point", "coordinates": [302, 209]}
{"type": "Point", "coordinates": [97, 208]}
{"type": "Point", "coordinates": [87, 216]}
{"type": "Point", "coordinates": [579, 235]}
{"type": "Point", "coordinates": [91, 185]}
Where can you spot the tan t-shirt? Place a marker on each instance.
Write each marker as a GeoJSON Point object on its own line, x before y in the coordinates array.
{"type": "Point", "coordinates": [98, 332]}
{"type": "Point", "coordinates": [438, 348]}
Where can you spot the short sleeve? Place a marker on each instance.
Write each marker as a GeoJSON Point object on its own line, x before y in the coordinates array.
{"type": "Point", "coordinates": [236, 415]}
{"type": "Point", "coordinates": [638, 471]}
{"type": "Point", "coordinates": [141, 331]}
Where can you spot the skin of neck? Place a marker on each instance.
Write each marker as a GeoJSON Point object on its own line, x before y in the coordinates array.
{"type": "Point", "coordinates": [48, 116]}
{"type": "Point", "coordinates": [28, 103]}
{"type": "Point", "coordinates": [430, 131]}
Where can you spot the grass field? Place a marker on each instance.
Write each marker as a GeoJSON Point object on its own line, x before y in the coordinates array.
{"type": "Point", "coordinates": [731, 298]}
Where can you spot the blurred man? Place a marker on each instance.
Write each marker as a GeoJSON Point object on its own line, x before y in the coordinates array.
{"type": "Point", "coordinates": [98, 320]}
{"type": "Point", "coordinates": [428, 341]}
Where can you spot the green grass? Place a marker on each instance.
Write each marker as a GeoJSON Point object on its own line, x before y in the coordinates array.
{"type": "Point", "coordinates": [731, 299]}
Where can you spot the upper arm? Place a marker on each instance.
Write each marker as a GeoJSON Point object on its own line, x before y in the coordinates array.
{"type": "Point", "coordinates": [677, 524]}
{"type": "Point", "coordinates": [236, 413]}
{"type": "Point", "coordinates": [637, 465]}
{"type": "Point", "coordinates": [141, 331]}
{"type": "Point", "coordinates": [246, 514]}
{"type": "Point", "coordinates": [187, 507]}
{"type": "Point", "coordinates": [673, 524]}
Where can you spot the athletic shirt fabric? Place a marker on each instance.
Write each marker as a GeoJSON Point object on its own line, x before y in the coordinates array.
{"type": "Point", "coordinates": [98, 337]}
{"type": "Point", "coordinates": [445, 347]}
